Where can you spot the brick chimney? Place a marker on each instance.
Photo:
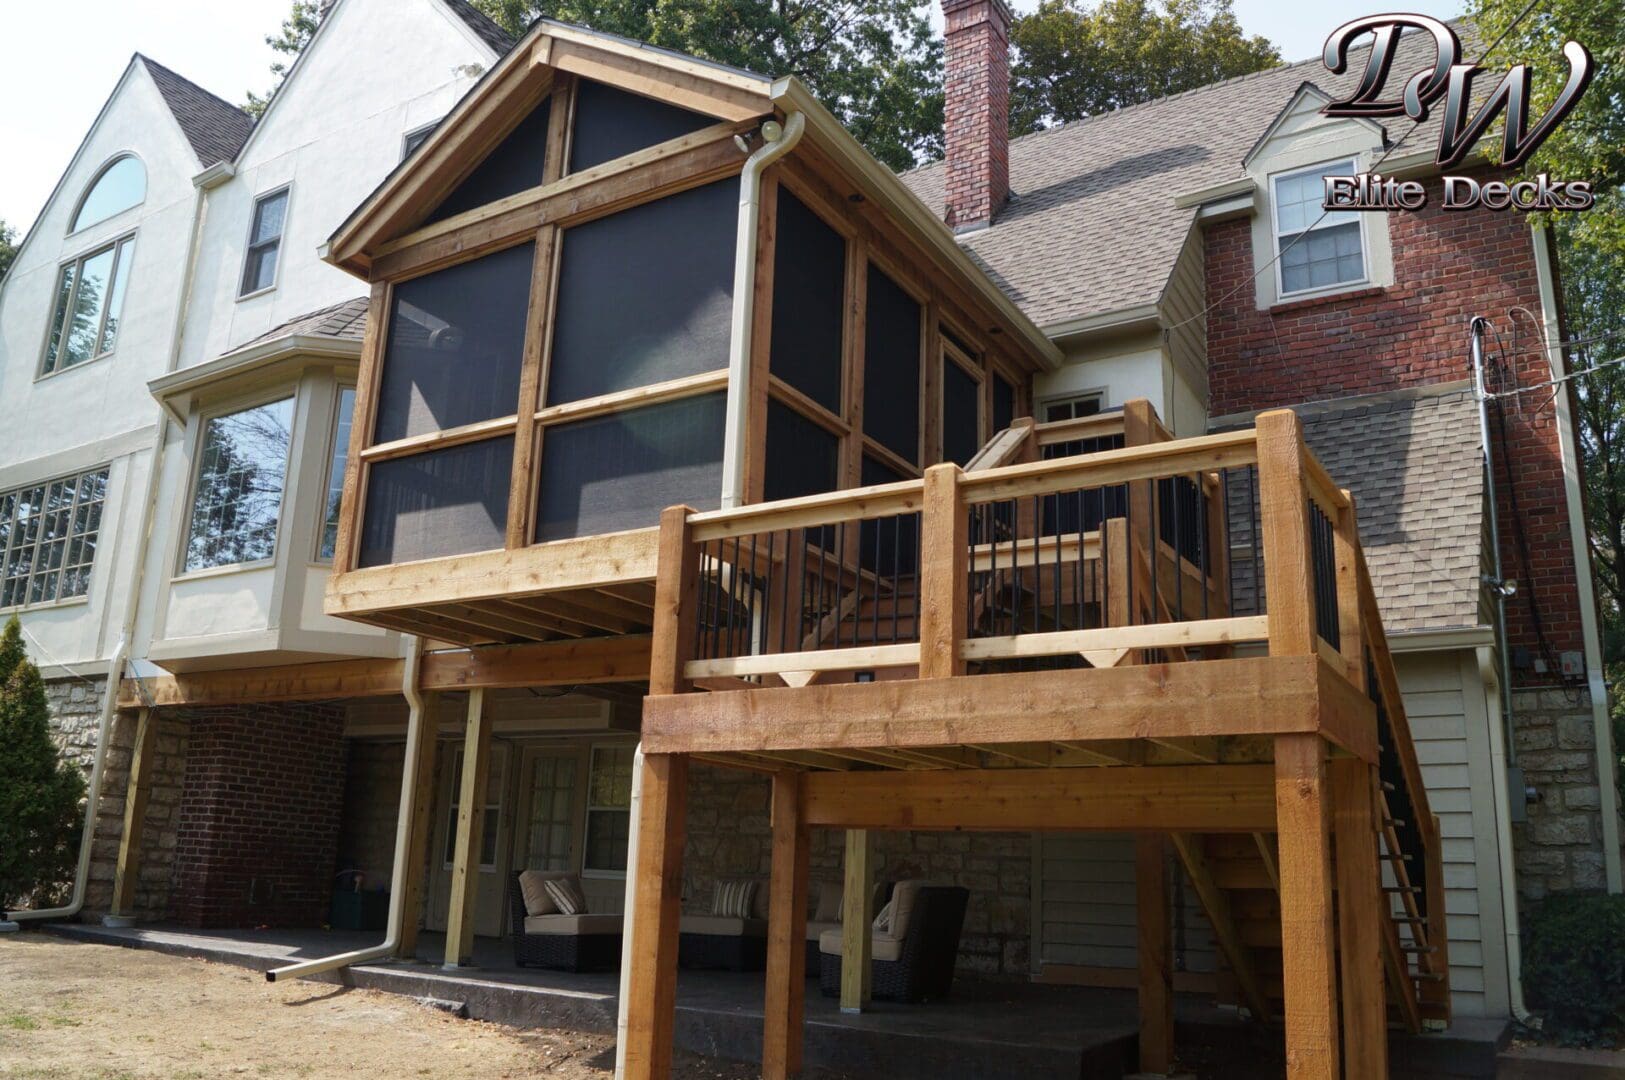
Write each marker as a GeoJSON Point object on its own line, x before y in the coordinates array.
{"type": "Point", "coordinates": [977, 89]}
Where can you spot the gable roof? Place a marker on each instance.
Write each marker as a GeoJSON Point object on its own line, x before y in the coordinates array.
{"type": "Point", "coordinates": [484, 27]}
{"type": "Point", "coordinates": [1091, 227]}
{"type": "Point", "coordinates": [215, 128]}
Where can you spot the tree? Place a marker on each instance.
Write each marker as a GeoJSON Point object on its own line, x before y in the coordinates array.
{"type": "Point", "coordinates": [876, 64]}
{"type": "Point", "coordinates": [40, 795]}
{"type": "Point", "coordinates": [1073, 61]}
{"type": "Point", "coordinates": [297, 30]}
{"type": "Point", "coordinates": [8, 247]}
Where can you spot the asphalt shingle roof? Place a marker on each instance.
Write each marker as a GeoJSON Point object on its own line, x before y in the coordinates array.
{"type": "Point", "coordinates": [215, 128]}
{"type": "Point", "coordinates": [482, 24]}
{"type": "Point", "coordinates": [1092, 227]}
{"type": "Point", "coordinates": [345, 322]}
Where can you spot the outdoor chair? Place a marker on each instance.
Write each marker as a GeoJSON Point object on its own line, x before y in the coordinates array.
{"type": "Point", "coordinates": [727, 942]}
{"type": "Point", "coordinates": [913, 962]}
{"type": "Point", "coordinates": [580, 942]}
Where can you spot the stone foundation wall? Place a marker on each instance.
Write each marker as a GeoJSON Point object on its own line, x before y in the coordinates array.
{"type": "Point", "coordinates": [1560, 847]}
{"type": "Point", "coordinates": [76, 706]}
{"type": "Point", "coordinates": [372, 800]}
{"type": "Point", "coordinates": [730, 836]}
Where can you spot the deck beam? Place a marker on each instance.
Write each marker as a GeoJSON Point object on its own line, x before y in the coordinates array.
{"type": "Point", "coordinates": [1154, 927]}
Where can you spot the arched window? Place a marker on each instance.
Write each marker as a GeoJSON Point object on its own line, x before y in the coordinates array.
{"type": "Point", "coordinates": [121, 185]}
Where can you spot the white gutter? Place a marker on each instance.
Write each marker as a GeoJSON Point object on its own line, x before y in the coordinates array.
{"type": "Point", "coordinates": [1503, 839]}
{"type": "Point", "coordinates": [1602, 731]}
{"type": "Point", "coordinates": [776, 142]}
{"type": "Point", "coordinates": [415, 720]}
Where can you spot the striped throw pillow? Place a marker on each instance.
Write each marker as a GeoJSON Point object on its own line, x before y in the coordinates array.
{"type": "Point", "coordinates": [567, 895]}
{"type": "Point", "coordinates": [734, 899]}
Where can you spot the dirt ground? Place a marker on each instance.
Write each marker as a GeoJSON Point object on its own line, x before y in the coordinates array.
{"type": "Point", "coordinates": [71, 1011]}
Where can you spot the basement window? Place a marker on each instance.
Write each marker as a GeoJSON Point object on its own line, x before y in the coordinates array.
{"type": "Point", "coordinates": [1317, 249]}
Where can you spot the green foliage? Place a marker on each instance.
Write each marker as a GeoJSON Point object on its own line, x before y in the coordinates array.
{"type": "Point", "coordinates": [1074, 61]}
{"type": "Point", "coordinates": [876, 64]}
{"type": "Point", "coordinates": [1574, 967]}
{"type": "Point", "coordinates": [40, 795]}
{"type": "Point", "coordinates": [8, 247]}
{"type": "Point", "coordinates": [297, 30]}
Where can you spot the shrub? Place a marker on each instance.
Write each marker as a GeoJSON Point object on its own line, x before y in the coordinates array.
{"type": "Point", "coordinates": [1574, 966]}
{"type": "Point", "coordinates": [40, 795]}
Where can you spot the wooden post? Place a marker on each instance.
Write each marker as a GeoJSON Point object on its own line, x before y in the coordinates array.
{"type": "Point", "coordinates": [651, 941]}
{"type": "Point", "coordinates": [1154, 922]}
{"type": "Point", "coordinates": [1140, 429]}
{"type": "Point", "coordinates": [1359, 919]}
{"type": "Point", "coordinates": [857, 915]}
{"type": "Point", "coordinates": [421, 834]}
{"type": "Point", "coordinates": [677, 587]}
{"type": "Point", "coordinates": [135, 813]}
{"type": "Point", "coordinates": [1284, 519]}
{"type": "Point", "coordinates": [1308, 947]}
{"type": "Point", "coordinates": [1347, 544]}
{"type": "Point", "coordinates": [465, 867]}
{"type": "Point", "coordinates": [945, 529]}
{"type": "Point", "coordinates": [786, 933]}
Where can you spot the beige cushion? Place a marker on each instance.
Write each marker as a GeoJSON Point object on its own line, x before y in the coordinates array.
{"type": "Point", "coordinates": [735, 898]}
{"type": "Point", "coordinates": [573, 925]}
{"type": "Point", "coordinates": [828, 908]}
{"type": "Point", "coordinates": [815, 930]}
{"type": "Point", "coordinates": [531, 887]}
{"type": "Point", "coordinates": [882, 946]}
{"type": "Point", "coordinates": [722, 926]}
{"type": "Point", "coordinates": [901, 907]}
{"type": "Point", "coordinates": [566, 893]}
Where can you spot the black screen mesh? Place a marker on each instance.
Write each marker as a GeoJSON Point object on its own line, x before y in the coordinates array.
{"type": "Point", "coordinates": [620, 471]}
{"type": "Point", "coordinates": [515, 165]}
{"type": "Point", "coordinates": [645, 295]}
{"type": "Point", "coordinates": [612, 123]}
{"type": "Point", "coordinates": [961, 438]}
{"type": "Point", "coordinates": [891, 367]}
{"type": "Point", "coordinates": [456, 343]}
{"type": "Point", "coordinates": [801, 458]}
{"type": "Point", "coordinates": [1004, 403]}
{"type": "Point", "coordinates": [809, 282]}
{"type": "Point", "coordinates": [444, 502]}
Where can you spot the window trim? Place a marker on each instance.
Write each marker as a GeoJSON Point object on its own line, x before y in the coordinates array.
{"type": "Point", "coordinates": [78, 477]}
{"type": "Point", "coordinates": [79, 205]}
{"type": "Point", "coordinates": [249, 245]}
{"type": "Point", "coordinates": [1282, 295]}
{"type": "Point", "coordinates": [1071, 397]}
{"type": "Point", "coordinates": [423, 130]}
{"type": "Point", "coordinates": [283, 392]}
{"type": "Point", "coordinates": [498, 752]}
{"type": "Point", "coordinates": [317, 558]}
{"type": "Point", "coordinates": [116, 246]}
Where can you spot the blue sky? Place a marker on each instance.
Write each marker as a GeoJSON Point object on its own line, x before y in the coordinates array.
{"type": "Point", "coordinates": [64, 59]}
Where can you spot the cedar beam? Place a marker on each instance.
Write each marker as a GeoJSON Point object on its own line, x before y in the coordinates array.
{"type": "Point", "coordinates": [945, 541]}
{"type": "Point", "coordinates": [135, 813]}
{"type": "Point", "coordinates": [1284, 521]}
{"type": "Point", "coordinates": [785, 1005]}
{"type": "Point", "coordinates": [1308, 946]}
{"type": "Point", "coordinates": [650, 948]}
{"type": "Point", "coordinates": [857, 900]}
{"type": "Point", "coordinates": [1154, 938]}
{"type": "Point", "coordinates": [465, 869]}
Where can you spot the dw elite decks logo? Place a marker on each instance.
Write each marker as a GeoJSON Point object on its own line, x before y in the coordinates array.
{"type": "Point", "coordinates": [1451, 79]}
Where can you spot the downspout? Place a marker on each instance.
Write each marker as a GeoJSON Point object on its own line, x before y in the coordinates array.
{"type": "Point", "coordinates": [1603, 732]}
{"type": "Point", "coordinates": [776, 142]}
{"type": "Point", "coordinates": [115, 667]}
{"type": "Point", "coordinates": [416, 718]}
{"type": "Point", "coordinates": [630, 907]}
{"type": "Point", "coordinates": [1497, 582]}
{"type": "Point", "coordinates": [1503, 841]}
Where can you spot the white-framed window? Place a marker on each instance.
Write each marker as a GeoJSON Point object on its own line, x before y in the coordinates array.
{"type": "Point", "coordinates": [121, 184]}
{"type": "Point", "coordinates": [416, 138]}
{"type": "Point", "coordinates": [493, 809]}
{"type": "Point", "coordinates": [609, 809]}
{"type": "Point", "coordinates": [48, 537]}
{"type": "Point", "coordinates": [1071, 408]}
{"type": "Point", "coordinates": [1317, 249]}
{"type": "Point", "coordinates": [237, 492]}
{"type": "Point", "coordinates": [335, 474]}
{"type": "Point", "coordinates": [88, 307]}
{"type": "Point", "coordinates": [264, 242]}
{"type": "Point", "coordinates": [554, 785]}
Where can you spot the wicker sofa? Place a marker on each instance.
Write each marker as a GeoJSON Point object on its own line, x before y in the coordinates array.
{"type": "Point", "coordinates": [725, 942]}
{"type": "Point", "coordinates": [915, 965]}
{"type": "Point", "coordinates": [585, 942]}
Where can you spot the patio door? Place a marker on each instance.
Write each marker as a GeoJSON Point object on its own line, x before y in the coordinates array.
{"type": "Point", "coordinates": [491, 903]}
{"type": "Point", "coordinates": [550, 808]}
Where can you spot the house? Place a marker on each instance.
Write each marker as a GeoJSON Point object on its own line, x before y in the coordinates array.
{"type": "Point", "coordinates": [327, 490]}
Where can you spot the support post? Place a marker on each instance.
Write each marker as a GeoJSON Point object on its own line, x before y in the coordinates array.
{"type": "Point", "coordinates": [422, 828]}
{"type": "Point", "coordinates": [1359, 926]}
{"type": "Point", "coordinates": [1154, 938]}
{"type": "Point", "coordinates": [135, 814]}
{"type": "Point", "coordinates": [651, 942]}
{"type": "Point", "coordinates": [1289, 591]}
{"type": "Point", "coordinates": [784, 1011]}
{"type": "Point", "coordinates": [465, 868]}
{"type": "Point", "coordinates": [1349, 615]}
{"type": "Point", "coordinates": [943, 574]}
{"type": "Point", "coordinates": [857, 916]}
{"type": "Point", "coordinates": [1308, 947]}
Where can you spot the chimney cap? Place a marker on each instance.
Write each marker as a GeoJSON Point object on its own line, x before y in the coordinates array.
{"type": "Point", "coordinates": [1001, 7]}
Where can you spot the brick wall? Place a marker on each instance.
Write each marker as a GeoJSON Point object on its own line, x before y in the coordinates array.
{"type": "Point", "coordinates": [258, 828]}
{"type": "Point", "coordinates": [1448, 267]}
{"type": "Point", "coordinates": [976, 109]}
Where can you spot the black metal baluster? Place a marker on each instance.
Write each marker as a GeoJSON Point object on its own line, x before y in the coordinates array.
{"type": "Point", "coordinates": [1179, 556]}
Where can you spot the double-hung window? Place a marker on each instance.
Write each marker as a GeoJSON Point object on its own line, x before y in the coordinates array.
{"type": "Point", "coordinates": [264, 242]}
{"type": "Point", "coordinates": [48, 538]}
{"type": "Point", "coordinates": [237, 501]}
{"type": "Point", "coordinates": [609, 808]}
{"type": "Point", "coordinates": [1317, 249]}
{"type": "Point", "coordinates": [89, 300]}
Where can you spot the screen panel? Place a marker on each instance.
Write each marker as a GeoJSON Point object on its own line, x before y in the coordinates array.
{"type": "Point", "coordinates": [889, 546]}
{"type": "Point", "coordinates": [645, 295]}
{"type": "Point", "coordinates": [456, 344]}
{"type": "Point", "coordinates": [961, 413]}
{"type": "Point", "coordinates": [443, 502]}
{"type": "Point", "coordinates": [891, 367]}
{"type": "Point", "coordinates": [1004, 403]}
{"type": "Point", "coordinates": [801, 457]}
{"type": "Point", "coordinates": [515, 165]}
{"type": "Point", "coordinates": [809, 273]}
{"type": "Point", "coordinates": [617, 472]}
{"type": "Point", "coordinates": [612, 123]}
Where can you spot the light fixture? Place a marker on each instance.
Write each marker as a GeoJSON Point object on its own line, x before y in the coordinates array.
{"type": "Point", "coordinates": [772, 131]}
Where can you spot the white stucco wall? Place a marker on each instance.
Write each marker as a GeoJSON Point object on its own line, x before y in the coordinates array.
{"type": "Point", "coordinates": [1125, 369]}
